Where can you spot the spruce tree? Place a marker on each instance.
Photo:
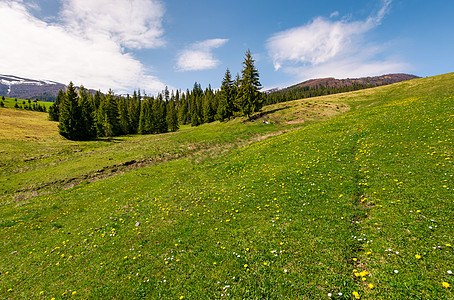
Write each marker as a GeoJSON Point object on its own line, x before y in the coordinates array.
{"type": "Point", "coordinates": [123, 117]}
{"type": "Point", "coordinates": [226, 97]}
{"type": "Point", "coordinates": [183, 108]}
{"type": "Point", "coordinates": [54, 109]}
{"type": "Point", "coordinates": [171, 118]}
{"type": "Point", "coordinates": [208, 111]}
{"type": "Point", "coordinates": [111, 122]}
{"type": "Point", "coordinates": [71, 124]}
{"type": "Point", "coordinates": [249, 98]}
{"type": "Point", "coordinates": [195, 116]}
{"type": "Point", "coordinates": [134, 113]}
{"type": "Point", "coordinates": [88, 114]}
{"type": "Point", "coordinates": [143, 118]}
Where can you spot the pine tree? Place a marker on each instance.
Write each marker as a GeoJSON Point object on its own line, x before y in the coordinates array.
{"type": "Point", "coordinates": [88, 114]}
{"type": "Point", "coordinates": [71, 124]}
{"type": "Point", "coordinates": [183, 108]}
{"type": "Point", "coordinates": [97, 98]}
{"type": "Point", "coordinates": [249, 98]}
{"type": "Point", "coordinates": [160, 112]}
{"type": "Point", "coordinates": [208, 111]}
{"type": "Point", "coordinates": [123, 117]}
{"type": "Point", "coordinates": [111, 123]}
{"type": "Point", "coordinates": [144, 123]}
{"type": "Point", "coordinates": [226, 97]}
{"type": "Point", "coordinates": [54, 109]}
{"type": "Point", "coordinates": [195, 116]}
{"type": "Point", "coordinates": [134, 113]}
{"type": "Point", "coordinates": [171, 118]}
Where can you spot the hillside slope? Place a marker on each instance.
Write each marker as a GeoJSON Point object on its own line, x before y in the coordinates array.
{"type": "Point", "coordinates": [359, 205]}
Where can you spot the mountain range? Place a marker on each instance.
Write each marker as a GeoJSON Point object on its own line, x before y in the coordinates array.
{"type": "Point", "coordinates": [25, 88]}
{"type": "Point", "coordinates": [340, 83]}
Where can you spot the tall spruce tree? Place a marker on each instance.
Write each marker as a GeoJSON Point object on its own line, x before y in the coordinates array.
{"type": "Point", "coordinates": [171, 118]}
{"type": "Point", "coordinates": [226, 98]}
{"type": "Point", "coordinates": [123, 117]}
{"type": "Point", "coordinates": [249, 97]}
{"type": "Point", "coordinates": [54, 109]}
{"type": "Point", "coordinates": [134, 113]}
{"type": "Point", "coordinates": [183, 107]}
{"type": "Point", "coordinates": [88, 113]}
{"type": "Point", "coordinates": [71, 122]}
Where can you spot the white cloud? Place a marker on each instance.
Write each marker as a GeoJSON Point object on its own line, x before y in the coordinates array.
{"type": "Point", "coordinates": [334, 14]}
{"type": "Point", "coordinates": [131, 23]}
{"type": "Point", "coordinates": [199, 56]}
{"type": "Point", "coordinates": [40, 50]}
{"type": "Point", "coordinates": [325, 47]}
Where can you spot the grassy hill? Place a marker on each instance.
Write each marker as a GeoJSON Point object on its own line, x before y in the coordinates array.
{"type": "Point", "coordinates": [354, 200]}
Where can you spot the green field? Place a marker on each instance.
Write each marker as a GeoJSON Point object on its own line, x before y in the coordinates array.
{"type": "Point", "coordinates": [345, 196]}
{"type": "Point", "coordinates": [10, 102]}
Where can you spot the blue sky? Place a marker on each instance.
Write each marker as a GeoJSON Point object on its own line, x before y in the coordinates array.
{"type": "Point", "coordinates": [150, 44]}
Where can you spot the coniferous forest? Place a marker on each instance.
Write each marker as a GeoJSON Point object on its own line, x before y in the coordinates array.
{"type": "Point", "coordinates": [85, 116]}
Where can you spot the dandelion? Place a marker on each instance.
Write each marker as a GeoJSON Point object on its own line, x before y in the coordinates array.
{"type": "Point", "coordinates": [417, 256]}
{"type": "Point", "coordinates": [356, 295]}
{"type": "Point", "coordinates": [371, 286]}
{"type": "Point", "coordinates": [245, 265]}
{"type": "Point", "coordinates": [445, 284]}
{"type": "Point", "coordinates": [73, 293]}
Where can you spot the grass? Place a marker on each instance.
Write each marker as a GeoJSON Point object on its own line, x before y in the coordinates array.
{"type": "Point", "coordinates": [10, 102]}
{"type": "Point", "coordinates": [334, 208]}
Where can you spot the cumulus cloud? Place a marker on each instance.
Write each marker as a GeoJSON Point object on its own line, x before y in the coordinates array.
{"type": "Point", "coordinates": [132, 23]}
{"type": "Point", "coordinates": [325, 47]}
{"type": "Point", "coordinates": [199, 56]}
{"type": "Point", "coordinates": [96, 57]}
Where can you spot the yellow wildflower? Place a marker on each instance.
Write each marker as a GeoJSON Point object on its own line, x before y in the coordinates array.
{"type": "Point", "coordinates": [446, 285]}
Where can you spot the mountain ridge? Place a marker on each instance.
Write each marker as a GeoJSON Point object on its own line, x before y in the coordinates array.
{"type": "Point", "coordinates": [334, 82]}
{"type": "Point", "coordinates": [25, 88]}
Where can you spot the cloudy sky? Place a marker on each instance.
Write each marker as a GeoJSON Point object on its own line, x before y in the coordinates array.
{"type": "Point", "coordinates": [150, 44]}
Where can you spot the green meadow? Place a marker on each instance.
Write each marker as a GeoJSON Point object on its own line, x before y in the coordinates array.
{"type": "Point", "coordinates": [347, 196]}
{"type": "Point", "coordinates": [10, 102]}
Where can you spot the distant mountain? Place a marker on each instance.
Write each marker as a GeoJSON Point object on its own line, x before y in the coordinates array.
{"type": "Point", "coordinates": [349, 82]}
{"type": "Point", "coordinates": [329, 86]}
{"type": "Point", "coordinates": [24, 88]}
{"type": "Point", "coordinates": [372, 81]}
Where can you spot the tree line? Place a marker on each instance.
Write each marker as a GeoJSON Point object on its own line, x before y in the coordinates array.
{"type": "Point", "coordinates": [27, 105]}
{"type": "Point", "coordinates": [303, 92]}
{"type": "Point", "coordinates": [84, 116]}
